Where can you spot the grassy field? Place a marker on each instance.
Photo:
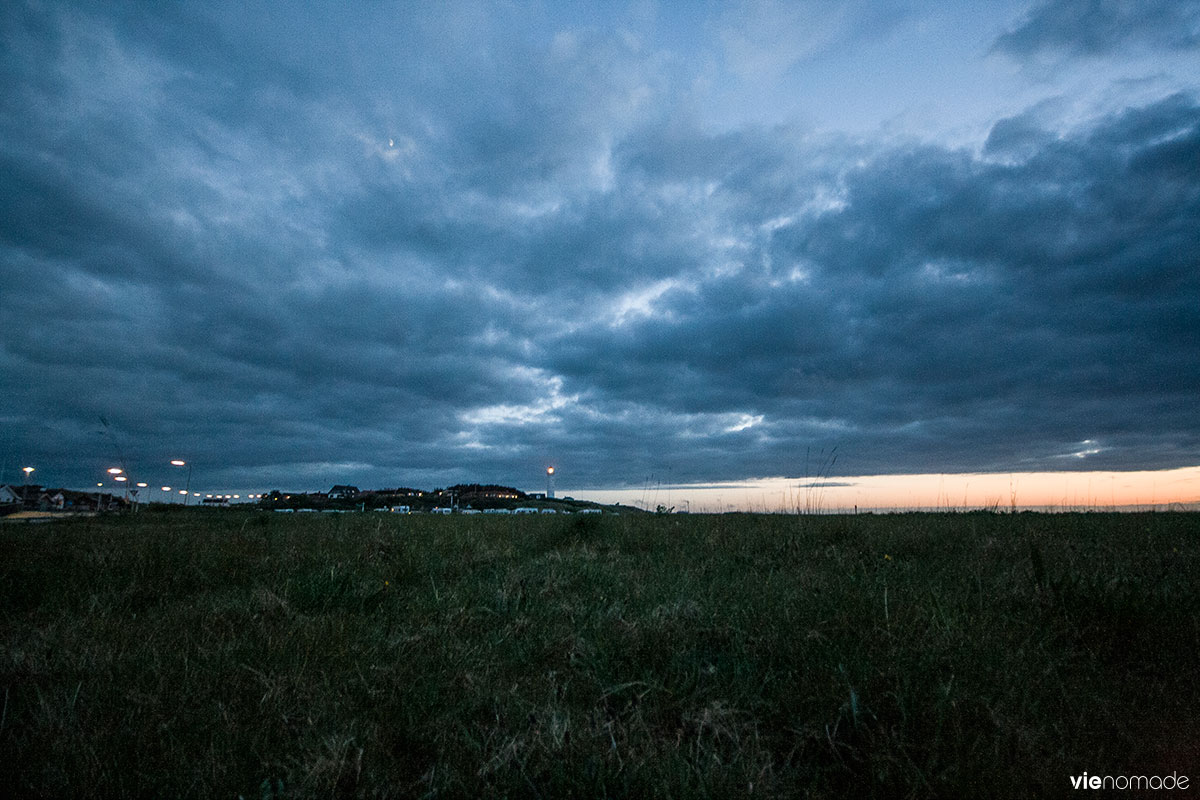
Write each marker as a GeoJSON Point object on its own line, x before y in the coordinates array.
{"type": "Point", "coordinates": [226, 653]}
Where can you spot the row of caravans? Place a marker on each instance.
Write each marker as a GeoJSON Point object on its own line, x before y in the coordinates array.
{"type": "Point", "coordinates": [520, 510]}
{"type": "Point", "coordinates": [447, 510]}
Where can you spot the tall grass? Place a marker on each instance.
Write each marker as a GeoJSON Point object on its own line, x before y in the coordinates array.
{"type": "Point", "coordinates": [234, 653]}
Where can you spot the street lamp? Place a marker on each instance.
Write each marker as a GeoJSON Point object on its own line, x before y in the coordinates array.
{"type": "Point", "coordinates": [119, 478]}
{"type": "Point", "coordinates": [25, 487]}
{"type": "Point", "coordinates": [179, 462]}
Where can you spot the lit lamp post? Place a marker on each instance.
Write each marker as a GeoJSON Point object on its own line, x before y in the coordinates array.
{"type": "Point", "coordinates": [179, 462]}
{"type": "Point", "coordinates": [25, 488]}
{"type": "Point", "coordinates": [167, 492]}
{"type": "Point", "coordinates": [550, 483]}
{"type": "Point", "coordinates": [143, 485]}
{"type": "Point", "coordinates": [119, 478]}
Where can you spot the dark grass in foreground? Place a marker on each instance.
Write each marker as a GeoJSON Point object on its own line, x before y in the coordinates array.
{"type": "Point", "coordinates": [225, 653]}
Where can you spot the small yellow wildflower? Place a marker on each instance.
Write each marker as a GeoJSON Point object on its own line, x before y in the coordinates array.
{"type": "Point", "coordinates": [886, 557]}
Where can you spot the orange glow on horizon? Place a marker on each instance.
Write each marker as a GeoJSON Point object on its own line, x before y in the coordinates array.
{"type": "Point", "coordinates": [1041, 491]}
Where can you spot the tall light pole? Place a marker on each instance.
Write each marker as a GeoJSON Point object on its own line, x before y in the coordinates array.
{"type": "Point", "coordinates": [549, 483]}
{"type": "Point", "coordinates": [119, 478]}
{"type": "Point", "coordinates": [179, 462]}
{"type": "Point", "coordinates": [25, 487]}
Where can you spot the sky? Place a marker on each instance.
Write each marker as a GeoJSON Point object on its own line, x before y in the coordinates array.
{"type": "Point", "coordinates": [649, 243]}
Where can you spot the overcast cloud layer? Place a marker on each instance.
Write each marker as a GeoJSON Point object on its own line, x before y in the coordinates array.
{"type": "Point", "coordinates": [426, 244]}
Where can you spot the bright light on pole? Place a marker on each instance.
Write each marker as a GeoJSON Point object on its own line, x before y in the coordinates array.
{"type": "Point", "coordinates": [179, 462]}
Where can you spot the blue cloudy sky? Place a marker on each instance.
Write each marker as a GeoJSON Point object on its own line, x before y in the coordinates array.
{"type": "Point", "coordinates": [423, 243]}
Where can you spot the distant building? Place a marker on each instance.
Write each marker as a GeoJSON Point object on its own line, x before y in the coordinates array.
{"type": "Point", "coordinates": [467, 492]}
{"type": "Point", "coordinates": [51, 500]}
{"type": "Point", "coordinates": [341, 492]}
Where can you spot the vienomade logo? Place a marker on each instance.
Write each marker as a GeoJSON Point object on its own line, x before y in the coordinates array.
{"type": "Point", "coordinates": [1172, 781]}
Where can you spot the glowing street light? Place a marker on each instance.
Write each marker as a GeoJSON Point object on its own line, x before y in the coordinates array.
{"type": "Point", "coordinates": [179, 462]}
{"type": "Point", "coordinates": [25, 488]}
{"type": "Point", "coordinates": [115, 470]}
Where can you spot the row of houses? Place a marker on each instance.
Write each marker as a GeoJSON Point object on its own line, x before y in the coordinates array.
{"type": "Point", "coordinates": [33, 497]}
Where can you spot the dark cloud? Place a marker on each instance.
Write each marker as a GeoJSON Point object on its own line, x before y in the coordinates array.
{"type": "Point", "coordinates": [387, 247]}
{"type": "Point", "coordinates": [1100, 27]}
